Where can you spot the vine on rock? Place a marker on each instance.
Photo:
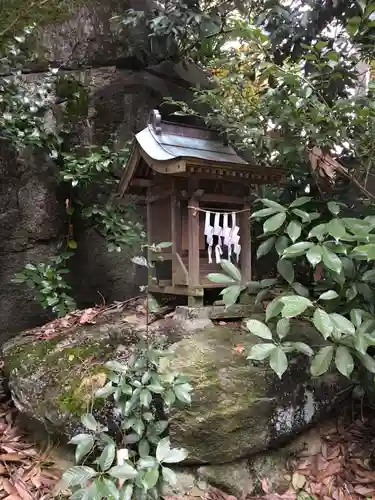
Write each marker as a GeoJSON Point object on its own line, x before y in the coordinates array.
{"type": "Point", "coordinates": [136, 465]}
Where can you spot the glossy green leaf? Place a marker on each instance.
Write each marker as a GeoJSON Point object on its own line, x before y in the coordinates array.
{"type": "Point", "coordinates": [169, 475]}
{"type": "Point", "coordinates": [88, 420]}
{"type": "Point", "coordinates": [259, 329]}
{"type": "Point", "coordinates": [318, 232]}
{"type": "Point", "coordinates": [336, 229]}
{"type": "Point", "coordinates": [265, 247]}
{"type": "Point", "coordinates": [278, 361]}
{"type": "Point", "coordinates": [344, 361]}
{"type": "Point", "coordinates": [333, 207]}
{"type": "Point", "coordinates": [220, 278]}
{"type": "Point", "coordinates": [331, 260]}
{"type": "Point", "coordinates": [281, 244]}
{"type": "Point", "coordinates": [367, 361]}
{"type": "Point", "coordinates": [323, 323]}
{"type": "Point", "coordinates": [273, 204]}
{"type": "Point", "coordinates": [300, 347]}
{"type": "Point", "coordinates": [274, 223]}
{"type": "Point", "coordinates": [265, 212]}
{"type": "Point", "coordinates": [124, 471]}
{"type": "Point", "coordinates": [294, 305]}
{"type": "Point", "coordinates": [367, 250]}
{"type": "Point", "coordinates": [78, 476]}
{"type": "Point", "coordinates": [329, 295]}
{"type": "Point", "coordinates": [314, 255]}
{"type": "Point", "coordinates": [230, 294]}
{"type": "Point", "coordinates": [107, 457]}
{"type": "Point", "coordinates": [294, 230]}
{"type": "Point", "coordinates": [297, 249]}
{"type": "Point", "coordinates": [286, 270]}
{"type": "Point", "coordinates": [300, 289]}
{"type": "Point", "coordinates": [322, 361]}
{"type": "Point", "coordinates": [230, 269]}
{"type": "Point", "coordinates": [342, 324]}
{"type": "Point", "coordinates": [183, 392]}
{"type": "Point", "coordinates": [259, 352]}
{"type": "Point", "coordinates": [274, 308]}
{"type": "Point", "coordinates": [283, 327]}
{"type": "Point", "coordinates": [300, 201]}
{"type": "Point", "coordinates": [166, 454]}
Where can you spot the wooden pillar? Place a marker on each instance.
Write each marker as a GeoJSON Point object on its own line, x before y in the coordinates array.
{"type": "Point", "coordinates": [151, 270]}
{"type": "Point", "coordinates": [245, 241]}
{"type": "Point", "coordinates": [193, 226]}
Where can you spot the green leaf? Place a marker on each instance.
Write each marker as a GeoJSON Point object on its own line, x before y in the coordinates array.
{"type": "Point", "coordinates": [300, 201]}
{"type": "Point", "coordinates": [331, 294]}
{"type": "Point", "coordinates": [286, 270]}
{"type": "Point", "coordinates": [322, 322]}
{"type": "Point", "coordinates": [367, 250]}
{"type": "Point", "coordinates": [88, 420]}
{"type": "Point", "coordinates": [274, 223]}
{"type": "Point", "coordinates": [344, 361]}
{"type": "Point", "coordinates": [342, 324]}
{"type": "Point", "coordinates": [294, 230]}
{"type": "Point", "coordinates": [78, 476]}
{"type": "Point", "coordinates": [126, 493]}
{"type": "Point", "coordinates": [274, 308]}
{"type": "Point", "coordinates": [143, 448]}
{"type": "Point", "coordinates": [147, 462]}
{"type": "Point", "coordinates": [259, 329]}
{"type": "Point", "coordinates": [336, 229]}
{"type": "Point", "coordinates": [282, 243]}
{"type": "Point", "coordinates": [322, 361]}
{"type": "Point", "coordinates": [220, 278]}
{"type": "Point", "coordinates": [259, 352]}
{"type": "Point", "coordinates": [278, 361]}
{"type": "Point", "coordinates": [300, 289]}
{"type": "Point", "coordinates": [265, 247]}
{"type": "Point", "coordinates": [298, 249]}
{"type": "Point", "coordinates": [369, 276]}
{"type": "Point", "coordinates": [300, 347]}
{"type": "Point", "coordinates": [105, 391]}
{"type": "Point", "coordinates": [169, 475]}
{"type": "Point", "coordinates": [230, 269]}
{"type": "Point", "coordinates": [166, 454]}
{"type": "Point", "coordinates": [331, 260]}
{"type": "Point", "coordinates": [356, 317]}
{"type": "Point", "coordinates": [273, 204]}
{"type": "Point", "coordinates": [145, 397]}
{"type": "Point", "coordinates": [318, 232]}
{"type": "Point", "coordinates": [151, 478]}
{"type": "Point", "coordinates": [294, 305]}
{"type": "Point", "coordinates": [231, 294]}
{"type": "Point", "coordinates": [124, 471]}
{"type": "Point", "coordinates": [283, 327]}
{"type": "Point", "coordinates": [265, 212]}
{"type": "Point", "coordinates": [72, 244]}
{"type": "Point", "coordinates": [182, 392]}
{"type": "Point", "coordinates": [367, 361]}
{"type": "Point", "coordinates": [84, 448]}
{"type": "Point", "coordinates": [333, 207]}
{"type": "Point", "coordinates": [107, 457]}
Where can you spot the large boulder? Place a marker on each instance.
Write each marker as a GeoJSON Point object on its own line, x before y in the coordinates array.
{"type": "Point", "coordinates": [237, 408]}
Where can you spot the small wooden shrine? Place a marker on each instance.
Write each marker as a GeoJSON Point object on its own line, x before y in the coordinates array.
{"type": "Point", "coordinates": [197, 191]}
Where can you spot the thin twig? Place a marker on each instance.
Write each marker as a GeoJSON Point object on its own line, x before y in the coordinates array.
{"type": "Point", "coordinates": [21, 14]}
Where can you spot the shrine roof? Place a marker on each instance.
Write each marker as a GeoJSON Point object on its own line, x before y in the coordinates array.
{"type": "Point", "coordinates": [163, 141]}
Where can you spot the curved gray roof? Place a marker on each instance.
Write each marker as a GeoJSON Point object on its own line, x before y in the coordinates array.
{"type": "Point", "coordinates": [164, 141]}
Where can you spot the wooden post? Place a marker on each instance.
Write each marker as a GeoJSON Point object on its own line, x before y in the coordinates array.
{"type": "Point", "coordinates": [193, 216]}
{"type": "Point", "coordinates": [150, 270]}
{"type": "Point", "coordinates": [245, 241]}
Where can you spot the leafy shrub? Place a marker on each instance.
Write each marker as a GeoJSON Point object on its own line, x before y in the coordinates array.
{"type": "Point", "coordinates": [336, 297]}
{"type": "Point", "coordinates": [135, 467]}
{"type": "Point", "coordinates": [48, 284]}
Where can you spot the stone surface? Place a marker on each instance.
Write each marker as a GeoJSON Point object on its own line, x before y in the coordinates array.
{"type": "Point", "coordinates": [234, 478]}
{"type": "Point", "coordinates": [32, 211]}
{"type": "Point", "coordinates": [237, 408]}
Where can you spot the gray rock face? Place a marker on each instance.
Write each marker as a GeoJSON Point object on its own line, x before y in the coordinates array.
{"type": "Point", "coordinates": [32, 213]}
{"type": "Point", "coordinates": [237, 409]}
